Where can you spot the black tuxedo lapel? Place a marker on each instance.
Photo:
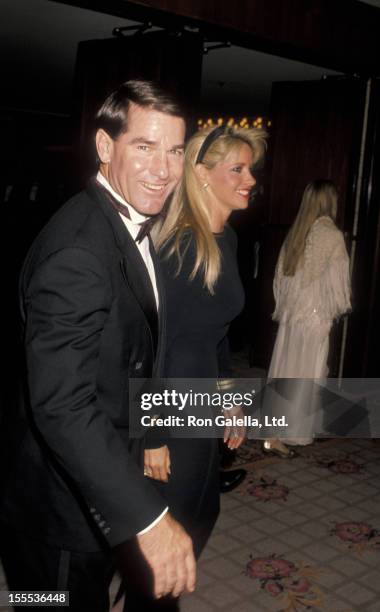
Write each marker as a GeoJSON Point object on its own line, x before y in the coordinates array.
{"type": "Point", "coordinates": [137, 277]}
{"type": "Point", "coordinates": [158, 367]}
{"type": "Point", "coordinates": [132, 264]}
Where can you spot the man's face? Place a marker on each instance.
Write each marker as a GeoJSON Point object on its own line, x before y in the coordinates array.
{"type": "Point", "coordinates": [145, 163]}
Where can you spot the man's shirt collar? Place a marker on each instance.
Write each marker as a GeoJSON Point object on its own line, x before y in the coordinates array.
{"type": "Point", "coordinates": [135, 217]}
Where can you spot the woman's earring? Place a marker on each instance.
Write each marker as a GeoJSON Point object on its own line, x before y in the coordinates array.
{"type": "Point", "coordinates": [205, 185]}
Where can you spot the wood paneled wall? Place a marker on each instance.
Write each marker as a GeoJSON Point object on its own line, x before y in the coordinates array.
{"type": "Point", "coordinates": [338, 34]}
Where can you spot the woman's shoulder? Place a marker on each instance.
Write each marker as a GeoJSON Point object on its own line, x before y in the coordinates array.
{"type": "Point", "coordinates": [324, 245]}
{"type": "Point", "coordinates": [183, 243]}
{"type": "Point", "coordinates": [325, 231]}
{"type": "Point", "coordinates": [178, 254]}
{"type": "Point", "coordinates": [228, 236]}
{"type": "Point", "coordinates": [325, 225]}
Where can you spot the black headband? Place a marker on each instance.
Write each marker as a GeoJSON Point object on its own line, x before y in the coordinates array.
{"type": "Point", "coordinates": [210, 138]}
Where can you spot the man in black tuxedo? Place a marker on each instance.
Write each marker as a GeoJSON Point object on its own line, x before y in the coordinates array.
{"type": "Point", "coordinates": [92, 310]}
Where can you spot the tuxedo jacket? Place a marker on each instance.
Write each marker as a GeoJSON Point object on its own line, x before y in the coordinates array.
{"type": "Point", "coordinates": [89, 322]}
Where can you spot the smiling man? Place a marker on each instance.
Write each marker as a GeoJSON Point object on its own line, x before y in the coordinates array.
{"type": "Point", "coordinates": [143, 164]}
{"type": "Point", "coordinates": [92, 308]}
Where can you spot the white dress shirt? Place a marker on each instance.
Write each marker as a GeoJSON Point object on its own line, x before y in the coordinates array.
{"type": "Point", "coordinates": [133, 227]}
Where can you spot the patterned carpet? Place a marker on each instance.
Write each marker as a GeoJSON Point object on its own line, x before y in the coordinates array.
{"type": "Point", "coordinates": [298, 534]}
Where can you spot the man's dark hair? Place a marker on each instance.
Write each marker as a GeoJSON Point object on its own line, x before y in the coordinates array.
{"type": "Point", "coordinates": [112, 116]}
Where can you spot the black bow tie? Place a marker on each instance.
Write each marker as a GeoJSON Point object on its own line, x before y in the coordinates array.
{"type": "Point", "coordinates": [145, 226]}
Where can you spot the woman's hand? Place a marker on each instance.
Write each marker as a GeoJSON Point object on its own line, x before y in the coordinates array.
{"type": "Point", "coordinates": [157, 463]}
{"type": "Point", "coordinates": [234, 435]}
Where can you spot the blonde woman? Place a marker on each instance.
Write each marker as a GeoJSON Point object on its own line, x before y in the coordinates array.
{"type": "Point", "coordinates": [203, 295]}
{"type": "Point", "coordinates": [311, 288]}
{"type": "Point", "coordinates": [197, 249]}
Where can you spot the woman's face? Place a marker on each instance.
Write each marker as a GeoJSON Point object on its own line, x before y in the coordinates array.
{"type": "Point", "coordinates": [230, 181]}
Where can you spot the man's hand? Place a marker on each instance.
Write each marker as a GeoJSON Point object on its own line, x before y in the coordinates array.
{"type": "Point", "coordinates": [157, 463]}
{"type": "Point", "coordinates": [169, 552]}
{"type": "Point", "coordinates": [234, 435]}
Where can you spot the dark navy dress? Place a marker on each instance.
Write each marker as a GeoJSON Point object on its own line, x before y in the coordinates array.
{"type": "Point", "coordinates": [197, 325]}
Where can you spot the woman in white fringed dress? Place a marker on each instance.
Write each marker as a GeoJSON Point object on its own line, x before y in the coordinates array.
{"type": "Point", "coordinates": [311, 289]}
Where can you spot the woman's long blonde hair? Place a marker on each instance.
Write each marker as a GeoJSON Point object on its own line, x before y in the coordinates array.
{"type": "Point", "coordinates": [319, 199]}
{"type": "Point", "coordinates": [189, 206]}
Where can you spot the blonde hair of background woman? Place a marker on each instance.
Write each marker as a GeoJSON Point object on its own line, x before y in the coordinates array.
{"type": "Point", "coordinates": [319, 199]}
{"type": "Point", "coordinates": [189, 207]}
